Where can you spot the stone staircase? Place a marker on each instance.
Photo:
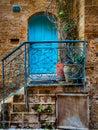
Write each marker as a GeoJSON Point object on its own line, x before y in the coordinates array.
{"type": "Point", "coordinates": [18, 116]}
{"type": "Point", "coordinates": [41, 111]}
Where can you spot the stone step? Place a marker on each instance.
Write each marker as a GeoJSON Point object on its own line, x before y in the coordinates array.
{"type": "Point", "coordinates": [19, 98]}
{"type": "Point", "coordinates": [30, 119]}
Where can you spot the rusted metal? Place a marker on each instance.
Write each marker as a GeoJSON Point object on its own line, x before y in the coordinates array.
{"type": "Point", "coordinates": [72, 111]}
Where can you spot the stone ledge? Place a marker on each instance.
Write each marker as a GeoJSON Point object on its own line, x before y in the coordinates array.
{"type": "Point", "coordinates": [19, 108]}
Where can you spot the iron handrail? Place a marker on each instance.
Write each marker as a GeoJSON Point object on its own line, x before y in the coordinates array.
{"type": "Point", "coordinates": [59, 41]}
{"type": "Point", "coordinates": [10, 53]}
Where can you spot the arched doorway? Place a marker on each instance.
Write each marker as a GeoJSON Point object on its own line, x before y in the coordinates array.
{"type": "Point", "coordinates": [42, 55]}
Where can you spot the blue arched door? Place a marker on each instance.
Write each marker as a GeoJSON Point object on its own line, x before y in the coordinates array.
{"type": "Point", "coordinates": [42, 56]}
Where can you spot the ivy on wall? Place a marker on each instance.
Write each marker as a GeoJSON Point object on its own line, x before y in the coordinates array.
{"type": "Point", "coordinates": [65, 22]}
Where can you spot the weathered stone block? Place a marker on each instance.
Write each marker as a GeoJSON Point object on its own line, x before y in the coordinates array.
{"type": "Point", "coordinates": [19, 108]}
{"type": "Point", "coordinates": [15, 125]}
{"type": "Point", "coordinates": [33, 99]}
{"type": "Point", "coordinates": [95, 86]}
{"type": "Point", "coordinates": [33, 108]}
{"type": "Point", "coordinates": [88, 2]}
{"type": "Point", "coordinates": [44, 91]}
{"type": "Point", "coordinates": [8, 106]}
{"type": "Point", "coordinates": [17, 117]}
{"type": "Point", "coordinates": [91, 10]}
{"type": "Point", "coordinates": [89, 72]}
{"type": "Point", "coordinates": [44, 99]}
{"type": "Point", "coordinates": [91, 19]}
{"type": "Point", "coordinates": [95, 2]}
{"type": "Point", "coordinates": [96, 47]}
{"type": "Point", "coordinates": [91, 28]}
{"type": "Point", "coordinates": [19, 98]}
{"type": "Point", "coordinates": [96, 125]}
{"type": "Point", "coordinates": [31, 125]}
{"type": "Point", "coordinates": [47, 117]}
{"type": "Point", "coordinates": [30, 118]}
{"type": "Point", "coordinates": [32, 90]}
{"type": "Point", "coordinates": [53, 98]}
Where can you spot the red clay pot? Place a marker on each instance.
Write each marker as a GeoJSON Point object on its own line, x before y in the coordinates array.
{"type": "Point", "coordinates": [60, 71]}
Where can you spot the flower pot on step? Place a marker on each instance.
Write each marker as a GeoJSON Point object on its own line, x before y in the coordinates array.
{"type": "Point", "coordinates": [60, 71]}
{"type": "Point", "coordinates": [70, 72]}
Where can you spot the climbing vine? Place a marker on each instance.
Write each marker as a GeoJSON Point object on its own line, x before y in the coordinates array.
{"type": "Point", "coordinates": [65, 23]}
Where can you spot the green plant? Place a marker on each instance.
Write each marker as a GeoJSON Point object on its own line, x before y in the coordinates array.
{"type": "Point", "coordinates": [39, 109]}
{"type": "Point", "coordinates": [68, 24]}
{"type": "Point", "coordinates": [23, 115]}
{"type": "Point", "coordinates": [48, 125]}
{"type": "Point", "coordinates": [48, 109]}
{"type": "Point", "coordinates": [79, 59]}
{"type": "Point", "coordinates": [65, 23]}
{"type": "Point", "coordinates": [28, 127]}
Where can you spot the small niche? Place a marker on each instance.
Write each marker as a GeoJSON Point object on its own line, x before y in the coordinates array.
{"type": "Point", "coordinates": [14, 41]}
{"type": "Point", "coordinates": [16, 8]}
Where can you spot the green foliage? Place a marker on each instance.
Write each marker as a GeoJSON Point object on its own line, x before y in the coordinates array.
{"type": "Point", "coordinates": [48, 109]}
{"type": "Point", "coordinates": [48, 125]}
{"type": "Point", "coordinates": [68, 24]}
{"type": "Point", "coordinates": [61, 13]}
{"type": "Point", "coordinates": [23, 115]}
{"type": "Point", "coordinates": [39, 109]}
{"type": "Point", "coordinates": [79, 59]}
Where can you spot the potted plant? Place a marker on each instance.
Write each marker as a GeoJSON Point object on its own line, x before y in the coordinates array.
{"type": "Point", "coordinates": [79, 59]}
{"type": "Point", "coordinates": [80, 63]}
{"type": "Point", "coordinates": [73, 68]}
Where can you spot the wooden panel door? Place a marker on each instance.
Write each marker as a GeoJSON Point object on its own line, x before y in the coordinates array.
{"type": "Point", "coordinates": [43, 57]}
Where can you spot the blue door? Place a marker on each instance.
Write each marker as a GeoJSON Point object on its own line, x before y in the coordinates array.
{"type": "Point", "coordinates": [43, 56]}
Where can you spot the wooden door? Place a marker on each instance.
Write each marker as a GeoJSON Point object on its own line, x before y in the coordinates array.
{"type": "Point", "coordinates": [43, 56]}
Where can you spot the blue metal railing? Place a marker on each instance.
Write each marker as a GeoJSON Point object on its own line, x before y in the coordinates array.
{"type": "Point", "coordinates": [43, 63]}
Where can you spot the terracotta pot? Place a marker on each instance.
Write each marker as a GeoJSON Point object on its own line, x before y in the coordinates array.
{"type": "Point", "coordinates": [60, 70]}
{"type": "Point", "coordinates": [70, 72]}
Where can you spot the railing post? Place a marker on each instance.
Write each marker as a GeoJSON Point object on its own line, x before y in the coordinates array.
{"type": "Point", "coordinates": [25, 68]}
{"type": "Point", "coordinates": [2, 103]}
{"type": "Point", "coordinates": [84, 71]}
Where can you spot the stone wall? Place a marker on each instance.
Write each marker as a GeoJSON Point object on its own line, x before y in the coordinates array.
{"type": "Point", "coordinates": [91, 35]}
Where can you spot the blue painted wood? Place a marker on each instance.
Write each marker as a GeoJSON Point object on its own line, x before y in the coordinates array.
{"type": "Point", "coordinates": [43, 57]}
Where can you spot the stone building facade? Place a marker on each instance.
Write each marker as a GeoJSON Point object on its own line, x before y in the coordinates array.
{"type": "Point", "coordinates": [14, 31]}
